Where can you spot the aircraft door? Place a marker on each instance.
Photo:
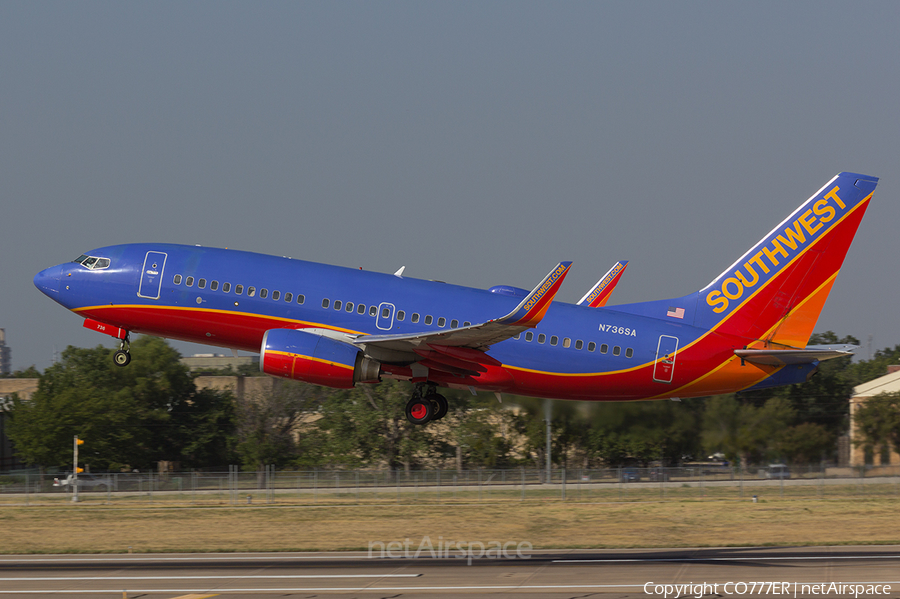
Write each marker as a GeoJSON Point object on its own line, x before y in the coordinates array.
{"type": "Point", "coordinates": [664, 369]}
{"type": "Point", "coordinates": [151, 275]}
{"type": "Point", "coordinates": [385, 319]}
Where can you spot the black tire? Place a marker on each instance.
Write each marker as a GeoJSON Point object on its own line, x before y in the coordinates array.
{"type": "Point", "coordinates": [440, 405]}
{"type": "Point", "coordinates": [419, 411]}
{"type": "Point", "coordinates": [122, 358]}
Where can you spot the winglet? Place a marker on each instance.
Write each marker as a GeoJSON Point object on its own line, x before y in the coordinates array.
{"type": "Point", "coordinates": [599, 294]}
{"type": "Point", "coordinates": [530, 312]}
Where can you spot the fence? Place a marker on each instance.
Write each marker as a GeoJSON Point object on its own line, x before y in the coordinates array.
{"type": "Point", "coordinates": [336, 487]}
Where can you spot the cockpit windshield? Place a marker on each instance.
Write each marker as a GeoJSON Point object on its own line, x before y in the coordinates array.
{"type": "Point", "coordinates": [92, 262]}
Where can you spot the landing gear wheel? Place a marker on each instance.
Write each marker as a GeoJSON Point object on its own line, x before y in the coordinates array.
{"type": "Point", "coordinates": [440, 405]}
{"type": "Point", "coordinates": [122, 358]}
{"type": "Point", "coordinates": [419, 410]}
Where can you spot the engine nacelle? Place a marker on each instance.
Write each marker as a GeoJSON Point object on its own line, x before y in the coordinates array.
{"type": "Point", "coordinates": [296, 354]}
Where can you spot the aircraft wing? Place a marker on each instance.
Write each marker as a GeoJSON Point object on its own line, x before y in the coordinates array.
{"type": "Point", "coordinates": [526, 315]}
{"type": "Point", "coordinates": [807, 355]}
{"type": "Point", "coordinates": [599, 293]}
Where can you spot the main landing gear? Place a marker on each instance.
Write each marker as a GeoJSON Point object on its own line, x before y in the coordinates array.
{"type": "Point", "coordinates": [426, 404]}
{"type": "Point", "coordinates": [122, 357]}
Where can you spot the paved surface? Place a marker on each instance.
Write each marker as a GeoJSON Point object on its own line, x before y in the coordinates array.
{"type": "Point", "coordinates": [553, 574]}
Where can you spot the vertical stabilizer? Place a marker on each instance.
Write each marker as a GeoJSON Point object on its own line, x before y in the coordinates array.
{"type": "Point", "coordinates": [775, 291]}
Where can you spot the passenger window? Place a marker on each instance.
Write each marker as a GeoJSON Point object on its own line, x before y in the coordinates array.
{"type": "Point", "coordinates": [337, 304]}
{"type": "Point", "coordinates": [529, 336]}
{"type": "Point", "coordinates": [348, 307]}
{"type": "Point", "coordinates": [629, 352]}
{"type": "Point", "coordinates": [401, 314]}
{"type": "Point", "coordinates": [276, 295]}
{"type": "Point", "coordinates": [541, 338]}
{"type": "Point", "coordinates": [455, 323]}
{"type": "Point", "coordinates": [385, 312]}
{"type": "Point", "coordinates": [516, 337]}
{"type": "Point", "coordinates": [360, 309]}
{"type": "Point", "coordinates": [617, 350]}
{"type": "Point", "coordinates": [591, 346]}
{"type": "Point", "coordinates": [415, 317]}
{"type": "Point", "coordinates": [428, 319]}
{"type": "Point", "coordinates": [264, 293]}
{"type": "Point", "coordinates": [288, 297]}
{"type": "Point", "coordinates": [177, 280]}
{"type": "Point", "coordinates": [604, 348]}
{"type": "Point", "coordinates": [579, 344]}
{"type": "Point", "coordinates": [189, 281]}
{"type": "Point", "coordinates": [554, 340]}
{"type": "Point", "coordinates": [301, 299]}
{"type": "Point", "coordinates": [213, 285]}
{"type": "Point", "coordinates": [201, 283]}
{"type": "Point", "coordinates": [373, 310]}
{"type": "Point", "coordinates": [226, 287]}
{"type": "Point", "coordinates": [325, 303]}
{"type": "Point", "coordinates": [467, 324]}
{"type": "Point", "coordinates": [567, 342]}
{"type": "Point", "coordinates": [251, 291]}
{"type": "Point", "coordinates": [442, 321]}
{"type": "Point", "coordinates": [239, 289]}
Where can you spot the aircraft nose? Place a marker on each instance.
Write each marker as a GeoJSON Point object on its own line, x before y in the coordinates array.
{"type": "Point", "coordinates": [48, 281]}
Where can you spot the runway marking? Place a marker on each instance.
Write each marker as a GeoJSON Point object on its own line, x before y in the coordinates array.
{"type": "Point", "coordinates": [719, 559]}
{"type": "Point", "coordinates": [382, 589]}
{"type": "Point", "coordinates": [256, 576]}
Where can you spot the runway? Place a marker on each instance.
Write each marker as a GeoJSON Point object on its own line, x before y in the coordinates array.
{"type": "Point", "coordinates": [751, 572]}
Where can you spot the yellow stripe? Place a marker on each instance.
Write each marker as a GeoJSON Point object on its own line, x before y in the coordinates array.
{"type": "Point", "coordinates": [320, 360]}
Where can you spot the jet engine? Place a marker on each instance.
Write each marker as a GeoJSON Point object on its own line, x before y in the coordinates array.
{"type": "Point", "coordinates": [296, 354]}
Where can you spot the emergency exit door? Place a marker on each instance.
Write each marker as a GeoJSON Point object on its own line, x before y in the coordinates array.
{"type": "Point", "coordinates": [151, 275]}
{"type": "Point", "coordinates": [666, 350]}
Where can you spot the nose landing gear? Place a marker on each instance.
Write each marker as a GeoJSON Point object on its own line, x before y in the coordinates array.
{"type": "Point", "coordinates": [426, 404]}
{"type": "Point", "coordinates": [122, 357]}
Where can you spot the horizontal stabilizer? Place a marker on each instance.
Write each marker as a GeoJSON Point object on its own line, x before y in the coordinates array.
{"type": "Point", "coordinates": [807, 355]}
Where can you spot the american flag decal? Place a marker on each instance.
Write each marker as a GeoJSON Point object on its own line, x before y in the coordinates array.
{"type": "Point", "coordinates": [675, 312]}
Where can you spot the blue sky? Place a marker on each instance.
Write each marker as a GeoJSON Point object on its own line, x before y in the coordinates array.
{"type": "Point", "coordinates": [476, 143]}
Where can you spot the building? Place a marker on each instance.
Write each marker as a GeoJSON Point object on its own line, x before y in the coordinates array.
{"type": "Point", "coordinates": [218, 362]}
{"type": "Point", "coordinates": [875, 456]}
{"type": "Point", "coordinates": [5, 354]}
{"type": "Point", "coordinates": [240, 386]}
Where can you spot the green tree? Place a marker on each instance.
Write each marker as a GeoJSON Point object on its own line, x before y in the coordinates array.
{"type": "Point", "coordinates": [131, 416]}
{"type": "Point", "coordinates": [623, 432]}
{"type": "Point", "coordinates": [268, 424]}
{"type": "Point", "coordinates": [569, 429]}
{"type": "Point", "coordinates": [29, 373]}
{"type": "Point", "coordinates": [878, 421]}
{"type": "Point", "coordinates": [743, 431]}
{"type": "Point", "coordinates": [367, 426]}
{"type": "Point", "coordinates": [479, 430]}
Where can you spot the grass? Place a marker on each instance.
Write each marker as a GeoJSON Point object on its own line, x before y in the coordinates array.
{"type": "Point", "coordinates": [176, 526]}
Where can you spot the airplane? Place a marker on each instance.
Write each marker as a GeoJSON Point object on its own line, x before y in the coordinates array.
{"type": "Point", "coordinates": [338, 327]}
